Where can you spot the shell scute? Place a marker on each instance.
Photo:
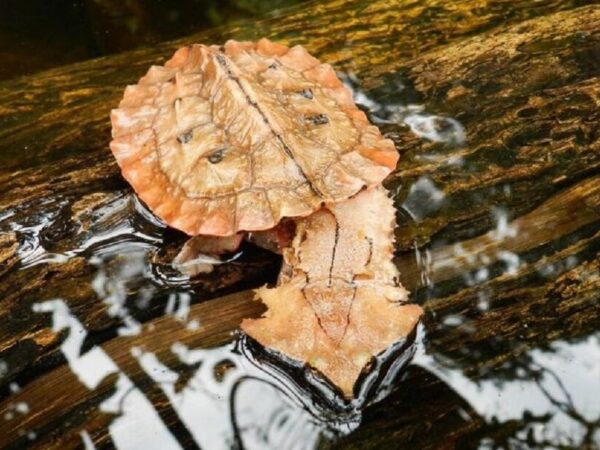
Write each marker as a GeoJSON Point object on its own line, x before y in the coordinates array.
{"type": "Point", "coordinates": [269, 48]}
{"type": "Point", "coordinates": [226, 139]}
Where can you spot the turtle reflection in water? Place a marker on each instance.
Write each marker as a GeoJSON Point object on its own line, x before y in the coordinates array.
{"type": "Point", "coordinates": [260, 140]}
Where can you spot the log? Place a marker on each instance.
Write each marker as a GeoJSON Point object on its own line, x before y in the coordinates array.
{"type": "Point", "coordinates": [521, 79]}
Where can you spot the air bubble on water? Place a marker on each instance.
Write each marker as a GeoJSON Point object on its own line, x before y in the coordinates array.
{"type": "Point", "coordinates": [424, 198]}
{"type": "Point", "coordinates": [481, 275]}
{"type": "Point", "coordinates": [571, 262]}
{"type": "Point", "coordinates": [436, 128]}
{"type": "Point", "coordinates": [22, 407]}
{"type": "Point", "coordinates": [544, 268]}
{"type": "Point", "coordinates": [511, 260]}
{"type": "Point", "coordinates": [453, 320]}
{"type": "Point", "coordinates": [551, 270]}
{"type": "Point", "coordinates": [12, 409]}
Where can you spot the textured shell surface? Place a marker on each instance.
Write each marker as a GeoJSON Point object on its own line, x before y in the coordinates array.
{"type": "Point", "coordinates": [232, 138]}
{"type": "Point", "coordinates": [338, 302]}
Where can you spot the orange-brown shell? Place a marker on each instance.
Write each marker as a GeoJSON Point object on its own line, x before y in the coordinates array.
{"type": "Point", "coordinates": [233, 138]}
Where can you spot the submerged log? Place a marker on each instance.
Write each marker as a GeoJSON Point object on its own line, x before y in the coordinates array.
{"type": "Point", "coordinates": [522, 82]}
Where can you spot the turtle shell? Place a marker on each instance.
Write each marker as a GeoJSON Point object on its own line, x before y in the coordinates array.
{"type": "Point", "coordinates": [234, 138]}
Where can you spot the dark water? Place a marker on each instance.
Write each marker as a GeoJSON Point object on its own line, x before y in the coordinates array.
{"type": "Point", "coordinates": [523, 392]}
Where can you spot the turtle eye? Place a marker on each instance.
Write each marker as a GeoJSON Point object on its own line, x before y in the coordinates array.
{"type": "Point", "coordinates": [317, 119]}
{"type": "Point", "coordinates": [306, 93]}
{"type": "Point", "coordinates": [185, 137]}
{"type": "Point", "coordinates": [216, 156]}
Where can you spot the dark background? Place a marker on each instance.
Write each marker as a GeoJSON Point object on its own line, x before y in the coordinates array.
{"type": "Point", "coordinates": [40, 34]}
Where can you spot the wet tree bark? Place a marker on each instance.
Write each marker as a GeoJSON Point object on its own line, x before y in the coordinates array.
{"type": "Point", "coordinates": [523, 81]}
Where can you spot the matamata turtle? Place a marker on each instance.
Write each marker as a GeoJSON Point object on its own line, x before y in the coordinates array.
{"type": "Point", "coordinates": [228, 140]}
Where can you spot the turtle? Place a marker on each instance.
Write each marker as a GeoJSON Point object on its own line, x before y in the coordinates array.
{"type": "Point", "coordinates": [262, 141]}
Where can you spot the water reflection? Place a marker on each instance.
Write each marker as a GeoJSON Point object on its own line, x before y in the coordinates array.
{"type": "Point", "coordinates": [235, 396]}
{"type": "Point", "coordinates": [86, 440]}
{"type": "Point", "coordinates": [113, 288]}
{"type": "Point", "coordinates": [232, 399]}
{"type": "Point", "coordinates": [552, 395]}
{"type": "Point", "coordinates": [119, 223]}
{"type": "Point", "coordinates": [217, 406]}
{"type": "Point", "coordinates": [423, 199]}
{"type": "Point", "coordinates": [393, 107]}
{"type": "Point", "coordinates": [435, 128]}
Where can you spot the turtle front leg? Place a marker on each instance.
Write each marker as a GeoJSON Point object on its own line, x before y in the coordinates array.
{"type": "Point", "coordinates": [200, 253]}
{"type": "Point", "coordinates": [274, 239]}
